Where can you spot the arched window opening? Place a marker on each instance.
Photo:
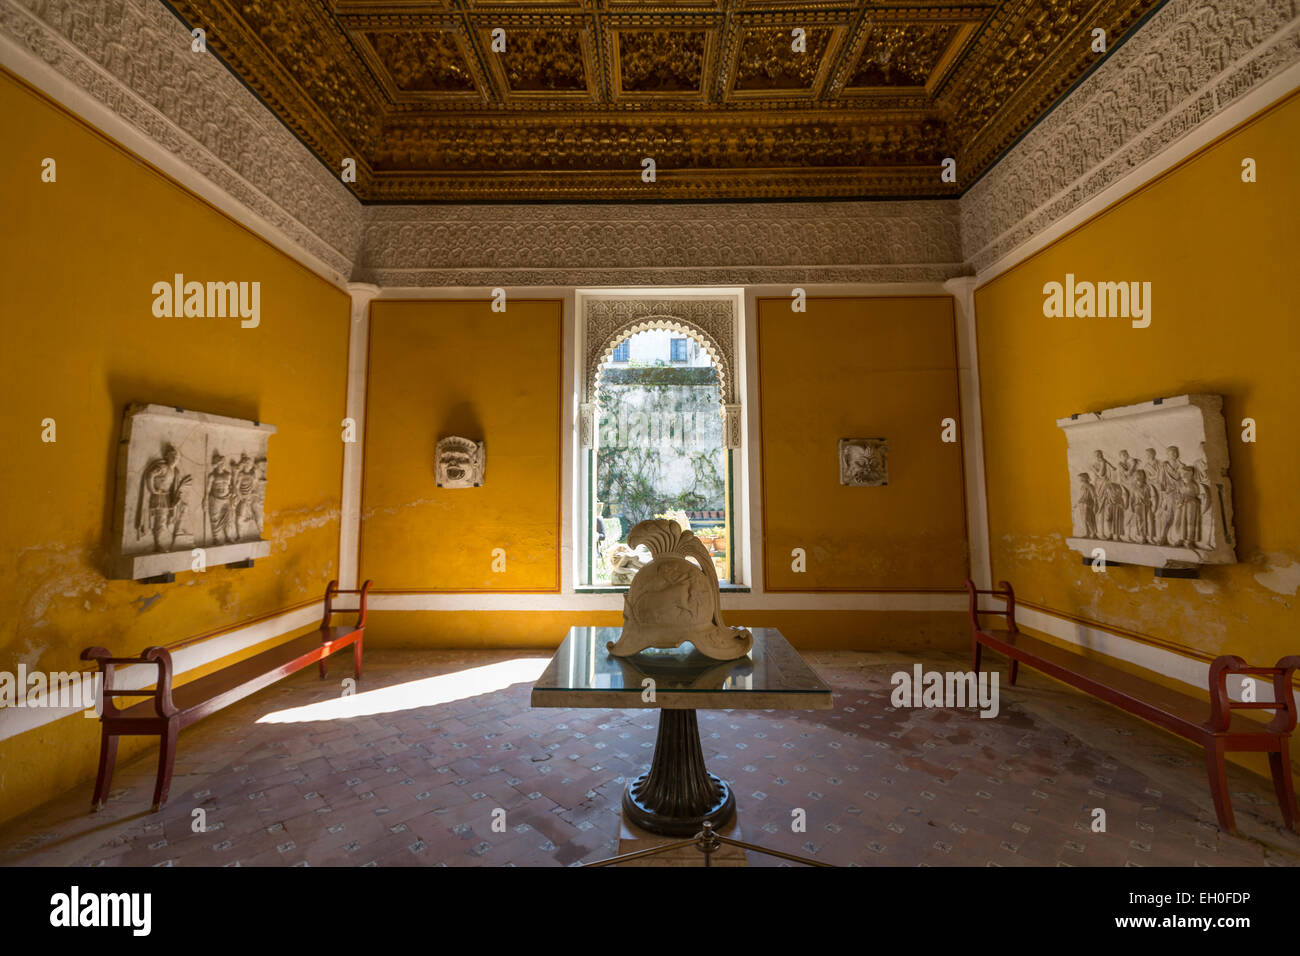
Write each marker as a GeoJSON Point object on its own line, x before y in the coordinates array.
{"type": "Point", "coordinates": [660, 449]}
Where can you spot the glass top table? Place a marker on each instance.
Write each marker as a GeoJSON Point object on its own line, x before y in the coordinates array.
{"type": "Point", "coordinates": [677, 795]}
{"type": "Point", "coordinates": [772, 676]}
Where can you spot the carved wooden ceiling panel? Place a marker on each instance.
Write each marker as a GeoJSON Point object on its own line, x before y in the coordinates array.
{"type": "Point", "coordinates": [533, 100]}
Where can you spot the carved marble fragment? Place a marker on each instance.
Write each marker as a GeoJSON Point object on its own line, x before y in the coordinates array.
{"type": "Point", "coordinates": [864, 462]}
{"type": "Point", "coordinates": [188, 480]}
{"type": "Point", "coordinates": [1149, 483]}
{"type": "Point", "coordinates": [460, 463]}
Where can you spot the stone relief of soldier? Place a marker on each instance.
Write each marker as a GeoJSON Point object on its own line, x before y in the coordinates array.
{"type": "Point", "coordinates": [1112, 507]}
{"type": "Point", "coordinates": [247, 500]}
{"type": "Point", "coordinates": [219, 498]}
{"type": "Point", "coordinates": [160, 506]}
{"type": "Point", "coordinates": [1185, 530]}
{"type": "Point", "coordinates": [1206, 491]}
{"type": "Point", "coordinates": [1085, 508]}
{"type": "Point", "coordinates": [1142, 510]}
{"type": "Point", "coordinates": [1171, 475]}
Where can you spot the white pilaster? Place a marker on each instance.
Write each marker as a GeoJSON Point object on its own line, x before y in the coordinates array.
{"type": "Point", "coordinates": [358, 343]}
{"type": "Point", "coordinates": [962, 290]}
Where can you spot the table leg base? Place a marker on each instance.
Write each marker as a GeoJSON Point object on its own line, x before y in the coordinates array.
{"type": "Point", "coordinates": [677, 795]}
{"type": "Point", "coordinates": [719, 813]}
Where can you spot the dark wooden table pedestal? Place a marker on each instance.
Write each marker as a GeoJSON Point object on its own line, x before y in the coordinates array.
{"type": "Point", "coordinates": [677, 795]}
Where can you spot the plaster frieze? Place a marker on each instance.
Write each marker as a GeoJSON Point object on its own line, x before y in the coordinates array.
{"type": "Point", "coordinates": [1191, 61]}
{"type": "Point", "coordinates": [660, 245]}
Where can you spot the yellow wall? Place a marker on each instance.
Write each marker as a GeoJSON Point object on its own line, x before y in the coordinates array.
{"type": "Point", "coordinates": [1221, 257]}
{"type": "Point", "coordinates": [806, 630]}
{"type": "Point", "coordinates": [78, 259]}
{"type": "Point", "coordinates": [860, 368]}
{"type": "Point", "coordinates": [440, 368]}
{"type": "Point", "coordinates": [899, 380]}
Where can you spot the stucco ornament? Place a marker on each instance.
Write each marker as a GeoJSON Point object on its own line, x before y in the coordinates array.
{"type": "Point", "coordinates": [671, 601]}
{"type": "Point", "coordinates": [459, 463]}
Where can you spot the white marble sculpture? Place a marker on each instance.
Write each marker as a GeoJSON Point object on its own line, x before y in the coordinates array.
{"type": "Point", "coordinates": [460, 463]}
{"type": "Point", "coordinates": [671, 600]}
{"type": "Point", "coordinates": [1149, 483]}
{"type": "Point", "coordinates": [864, 462]}
{"type": "Point", "coordinates": [188, 480]}
{"type": "Point", "coordinates": [624, 563]}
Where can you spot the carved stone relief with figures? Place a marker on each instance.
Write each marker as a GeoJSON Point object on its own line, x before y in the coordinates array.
{"type": "Point", "coordinates": [1149, 483]}
{"type": "Point", "coordinates": [188, 480]}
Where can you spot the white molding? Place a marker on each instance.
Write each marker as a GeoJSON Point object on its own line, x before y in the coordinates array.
{"type": "Point", "coordinates": [18, 720]}
{"type": "Point", "coordinates": [746, 482]}
{"type": "Point", "coordinates": [353, 463]}
{"type": "Point", "coordinates": [753, 450]}
{"type": "Point", "coordinates": [571, 544]}
{"type": "Point", "coordinates": [972, 426]}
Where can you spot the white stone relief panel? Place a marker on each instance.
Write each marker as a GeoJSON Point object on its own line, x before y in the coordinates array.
{"type": "Point", "coordinates": [1149, 483]}
{"type": "Point", "coordinates": [188, 480]}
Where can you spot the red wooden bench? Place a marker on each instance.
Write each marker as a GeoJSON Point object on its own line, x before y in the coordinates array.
{"type": "Point", "coordinates": [170, 710]}
{"type": "Point", "coordinates": [1216, 727]}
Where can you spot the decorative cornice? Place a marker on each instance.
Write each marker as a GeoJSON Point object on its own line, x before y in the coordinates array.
{"type": "Point", "coordinates": [1191, 61]}
{"type": "Point", "coordinates": [133, 57]}
{"type": "Point", "coordinates": [663, 245]}
{"type": "Point", "coordinates": [1186, 65]}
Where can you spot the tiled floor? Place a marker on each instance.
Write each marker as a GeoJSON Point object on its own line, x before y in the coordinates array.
{"type": "Point", "coordinates": [879, 787]}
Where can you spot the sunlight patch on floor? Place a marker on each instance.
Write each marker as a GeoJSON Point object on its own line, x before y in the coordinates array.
{"type": "Point", "coordinates": [412, 695]}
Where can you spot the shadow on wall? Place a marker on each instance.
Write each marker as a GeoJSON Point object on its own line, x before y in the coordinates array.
{"type": "Point", "coordinates": [462, 421]}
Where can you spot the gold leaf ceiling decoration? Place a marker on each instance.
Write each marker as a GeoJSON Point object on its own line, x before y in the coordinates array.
{"type": "Point", "coordinates": [732, 99]}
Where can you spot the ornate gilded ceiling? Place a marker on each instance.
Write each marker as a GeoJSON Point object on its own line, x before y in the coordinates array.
{"type": "Point", "coordinates": [528, 100]}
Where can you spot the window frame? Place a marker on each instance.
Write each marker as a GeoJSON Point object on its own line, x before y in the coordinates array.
{"type": "Point", "coordinates": [715, 319]}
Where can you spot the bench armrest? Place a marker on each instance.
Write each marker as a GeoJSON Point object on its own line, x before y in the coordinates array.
{"type": "Point", "coordinates": [162, 692]}
{"type": "Point", "coordinates": [1283, 703]}
{"type": "Point", "coordinates": [333, 589]}
{"type": "Point", "coordinates": [1004, 593]}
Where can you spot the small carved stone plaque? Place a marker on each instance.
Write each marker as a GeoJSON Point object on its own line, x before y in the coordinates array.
{"type": "Point", "coordinates": [1149, 483]}
{"type": "Point", "coordinates": [864, 462]}
{"type": "Point", "coordinates": [188, 480]}
{"type": "Point", "coordinates": [460, 463]}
